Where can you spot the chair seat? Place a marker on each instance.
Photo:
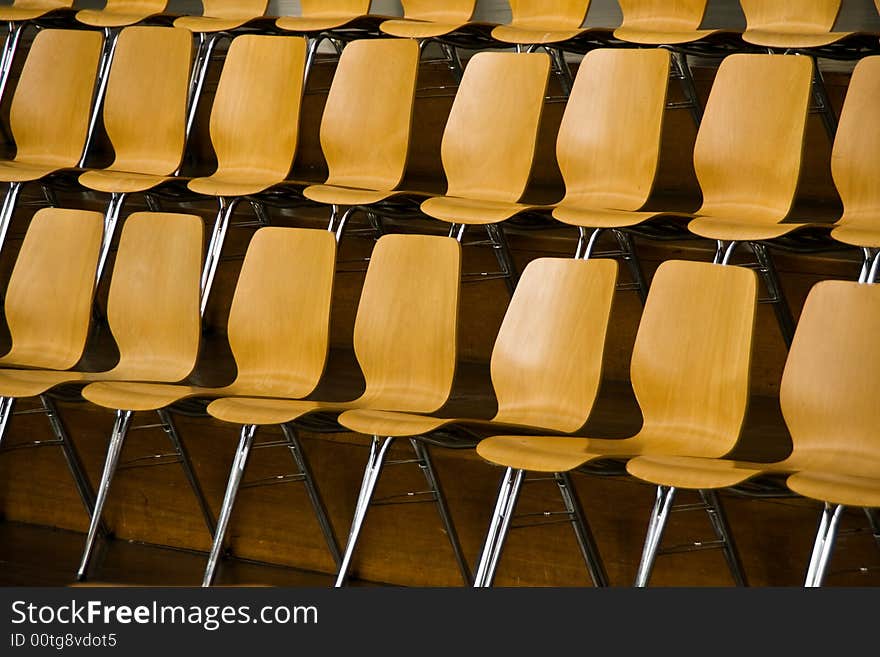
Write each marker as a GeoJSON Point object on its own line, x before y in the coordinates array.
{"type": "Point", "coordinates": [413, 29]}
{"type": "Point", "coordinates": [101, 18]}
{"type": "Point", "coordinates": [837, 488]}
{"type": "Point", "coordinates": [24, 171]}
{"type": "Point", "coordinates": [723, 228]}
{"type": "Point", "coordinates": [235, 183]}
{"type": "Point", "coordinates": [107, 180]}
{"type": "Point", "coordinates": [211, 23]}
{"type": "Point", "coordinates": [473, 211]}
{"type": "Point", "coordinates": [337, 195]}
{"type": "Point", "coordinates": [314, 24]}
{"type": "Point", "coordinates": [787, 37]}
{"type": "Point", "coordinates": [697, 473]}
{"type": "Point", "coordinates": [249, 410]}
{"type": "Point", "coordinates": [603, 218]}
{"type": "Point", "coordinates": [857, 231]}
{"type": "Point", "coordinates": [537, 34]}
{"type": "Point", "coordinates": [14, 14]}
{"type": "Point", "coordinates": [661, 36]}
{"type": "Point", "coordinates": [554, 453]}
{"type": "Point", "coordinates": [29, 383]}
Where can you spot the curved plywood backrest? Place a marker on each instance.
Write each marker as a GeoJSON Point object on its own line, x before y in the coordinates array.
{"type": "Point", "coordinates": [608, 144]}
{"type": "Point", "coordinates": [489, 140]}
{"type": "Point", "coordinates": [555, 14]}
{"type": "Point", "coordinates": [854, 162]}
{"type": "Point", "coordinates": [663, 14]}
{"type": "Point", "coordinates": [145, 106]}
{"type": "Point", "coordinates": [153, 302]}
{"type": "Point", "coordinates": [749, 147]}
{"type": "Point", "coordinates": [48, 301]}
{"type": "Point", "coordinates": [136, 6]}
{"type": "Point", "coordinates": [692, 355]}
{"type": "Point", "coordinates": [280, 317]}
{"type": "Point", "coordinates": [255, 116]}
{"type": "Point", "coordinates": [405, 329]}
{"type": "Point", "coordinates": [50, 108]}
{"type": "Point", "coordinates": [365, 128]}
{"type": "Point", "coordinates": [453, 11]}
{"type": "Point", "coordinates": [809, 16]}
{"type": "Point", "coordinates": [547, 360]}
{"type": "Point", "coordinates": [334, 7]}
{"type": "Point", "coordinates": [234, 8]}
{"type": "Point", "coordinates": [828, 395]}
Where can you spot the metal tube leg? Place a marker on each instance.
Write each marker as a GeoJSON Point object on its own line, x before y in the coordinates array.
{"type": "Point", "coordinates": [8, 209]}
{"type": "Point", "coordinates": [215, 246]}
{"type": "Point", "coordinates": [824, 545]}
{"type": "Point", "coordinates": [239, 463]}
{"type": "Point", "coordinates": [585, 245]}
{"type": "Point", "coordinates": [872, 273]}
{"type": "Point", "coordinates": [299, 456]}
{"type": "Point", "coordinates": [502, 254]}
{"type": "Point", "coordinates": [631, 259]}
{"type": "Point", "coordinates": [724, 252]}
{"type": "Point", "coordinates": [49, 194]}
{"type": "Point", "coordinates": [185, 462]}
{"type": "Point", "coordinates": [10, 46]}
{"type": "Point", "coordinates": [337, 223]}
{"type": "Point", "coordinates": [562, 70]}
{"type": "Point", "coordinates": [74, 463]}
{"type": "Point", "coordinates": [689, 89]}
{"type": "Point", "coordinates": [822, 102]}
{"type": "Point", "coordinates": [111, 218]}
{"type": "Point", "coordinates": [197, 79]}
{"type": "Point", "coordinates": [873, 520]}
{"type": "Point", "coordinates": [722, 530]}
{"type": "Point", "coordinates": [7, 404]}
{"type": "Point", "coordinates": [456, 231]}
{"type": "Point", "coordinates": [499, 526]}
{"type": "Point", "coordinates": [427, 468]}
{"type": "Point", "coordinates": [582, 532]}
{"type": "Point", "coordinates": [311, 52]}
{"type": "Point", "coordinates": [774, 288]}
{"type": "Point", "coordinates": [111, 36]}
{"type": "Point", "coordinates": [260, 212]}
{"type": "Point", "coordinates": [455, 67]}
{"type": "Point", "coordinates": [659, 516]}
{"type": "Point", "coordinates": [368, 485]}
{"type": "Point", "coordinates": [114, 449]}
{"type": "Point", "coordinates": [376, 222]}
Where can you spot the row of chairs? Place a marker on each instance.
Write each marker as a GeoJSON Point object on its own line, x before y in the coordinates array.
{"type": "Point", "coordinates": [747, 156]}
{"type": "Point", "coordinates": [690, 371]}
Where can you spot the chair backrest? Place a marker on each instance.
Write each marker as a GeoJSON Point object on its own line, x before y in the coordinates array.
{"type": "Point", "coordinates": [280, 316]}
{"type": "Point", "coordinates": [608, 144]}
{"type": "Point", "coordinates": [489, 140]}
{"type": "Point", "coordinates": [145, 105]}
{"type": "Point", "coordinates": [405, 331]}
{"type": "Point", "coordinates": [808, 16]}
{"type": "Point", "coordinates": [254, 122]}
{"type": "Point", "coordinates": [453, 11]}
{"type": "Point", "coordinates": [547, 360]}
{"type": "Point", "coordinates": [234, 8]}
{"type": "Point", "coordinates": [334, 7]}
{"type": "Point", "coordinates": [153, 302]}
{"type": "Point", "coordinates": [365, 128]}
{"type": "Point", "coordinates": [663, 14]}
{"type": "Point", "coordinates": [136, 6]}
{"type": "Point", "coordinates": [49, 115]}
{"type": "Point", "coordinates": [555, 14]}
{"type": "Point", "coordinates": [827, 394]}
{"type": "Point", "coordinates": [750, 144]}
{"type": "Point", "coordinates": [48, 301]}
{"type": "Point", "coordinates": [692, 355]}
{"type": "Point", "coordinates": [855, 166]}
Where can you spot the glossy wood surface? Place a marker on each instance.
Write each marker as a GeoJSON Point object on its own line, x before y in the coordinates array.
{"type": "Point", "coordinates": [780, 24]}
{"type": "Point", "coordinates": [657, 22]}
{"type": "Point", "coordinates": [424, 18]}
{"type": "Point", "coordinates": [221, 15]}
{"type": "Point", "coordinates": [542, 22]}
{"type": "Point", "coordinates": [25, 10]}
{"type": "Point", "coordinates": [119, 13]}
{"type": "Point", "coordinates": [318, 15]}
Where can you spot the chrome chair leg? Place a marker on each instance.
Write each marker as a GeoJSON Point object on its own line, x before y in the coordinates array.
{"type": "Point", "coordinates": [582, 531]}
{"type": "Point", "coordinates": [656, 526]}
{"type": "Point", "coordinates": [688, 88]}
{"type": "Point", "coordinates": [452, 56]}
{"type": "Point", "coordinates": [499, 526]}
{"type": "Point", "coordinates": [199, 73]}
{"type": "Point", "coordinates": [215, 246]}
{"type": "Point", "coordinates": [869, 257]}
{"type": "Point", "coordinates": [376, 222]}
{"type": "Point", "coordinates": [260, 212]}
{"type": "Point", "coordinates": [239, 463]}
{"type": "Point", "coordinates": [775, 291]}
{"type": "Point", "coordinates": [822, 102]}
{"type": "Point", "coordinates": [111, 36]}
{"type": "Point", "coordinates": [631, 260]}
{"type": "Point", "coordinates": [874, 524]}
{"type": "Point", "coordinates": [427, 468]}
{"type": "Point", "coordinates": [185, 462]}
{"type": "Point", "coordinates": [299, 456]}
{"type": "Point", "coordinates": [722, 530]}
{"type": "Point", "coordinates": [337, 222]}
{"type": "Point", "coordinates": [49, 194]}
{"type": "Point", "coordinates": [114, 449]}
{"type": "Point", "coordinates": [7, 404]}
{"type": "Point", "coordinates": [111, 218]}
{"type": "Point", "coordinates": [823, 545]}
{"type": "Point", "coordinates": [10, 46]}
{"type": "Point", "coordinates": [8, 209]}
{"type": "Point", "coordinates": [503, 255]}
{"type": "Point", "coordinates": [586, 242]}
{"type": "Point", "coordinates": [560, 66]}
{"type": "Point", "coordinates": [378, 450]}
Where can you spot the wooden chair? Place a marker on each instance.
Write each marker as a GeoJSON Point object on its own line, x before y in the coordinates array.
{"type": "Point", "coordinates": [546, 368]}
{"type": "Point", "coordinates": [855, 169]}
{"type": "Point", "coordinates": [336, 21]}
{"type": "Point", "coordinates": [220, 19]}
{"type": "Point", "coordinates": [48, 306]}
{"type": "Point", "coordinates": [17, 16]}
{"type": "Point", "coordinates": [115, 15]}
{"type": "Point", "coordinates": [831, 415]}
{"type": "Point", "coordinates": [549, 26]}
{"type": "Point", "coordinates": [805, 28]}
{"type": "Point", "coordinates": [608, 147]}
{"type": "Point", "coordinates": [144, 116]}
{"type": "Point", "coordinates": [254, 129]}
{"type": "Point", "coordinates": [690, 374]}
{"type": "Point", "coordinates": [152, 312]}
{"type": "Point", "coordinates": [49, 114]}
{"type": "Point", "coordinates": [488, 147]}
{"type": "Point", "coordinates": [405, 344]}
{"type": "Point", "coordinates": [278, 333]}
